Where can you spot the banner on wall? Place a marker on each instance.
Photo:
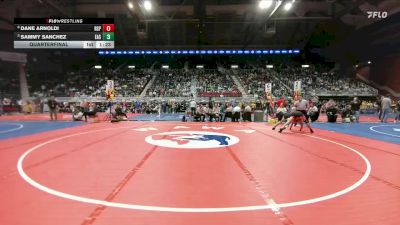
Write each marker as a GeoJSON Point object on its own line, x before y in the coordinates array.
{"type": "Point", "coordinates": [297, 88]}
{"type": "Point", "coordinates": [268, 94]}
{"type": "Point", "coordinates": [268, 88]}
{"type": "Point", "coordinates": [110, 90]}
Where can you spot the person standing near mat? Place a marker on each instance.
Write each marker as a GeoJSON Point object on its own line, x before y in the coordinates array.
{"type": "Point", "coordinates": [379, 104]}
{"type": "Point", "coordinates": [52, 103]}
{"type": "Point", "coordinates": [192, 105]}
{"type": "Point", "coordinates": [302, 105]}
{"type": "Point", "coordinates": [228, 112]}
{"type": "Point", "coordinates": [355, 107]}
{"type": "Point", "coordinates": [280, 111]}
{"type": "Point", "coordinates": [236, 113]}
{"type": "Point", "coordinates": [386, 104]}
{"type": "Point", "coordinates": [1, 106]}
{"type": "Point", "coordinates": [397, 118]}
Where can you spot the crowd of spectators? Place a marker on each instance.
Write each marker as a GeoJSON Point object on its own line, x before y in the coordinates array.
{"type": "Point", "coordinates": [91, 83]}
{"type": "Point", "coordinates": [318, 80]}
{"type": "Point", "coordinates": [207, 83]}
{"type": "Point", "coordinates": [213, 83]}
{"type": "Point", "coordinates": [171, 83]}
{"type": "Point", "coordinates": [254, 80]}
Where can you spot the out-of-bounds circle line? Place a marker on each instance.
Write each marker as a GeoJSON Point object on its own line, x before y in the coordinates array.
{"type": "Point", "coordinates": [184, 209]}
{"type": "Point", "coordinates": [380, 132]}
{"type": "Point", "coordinates": [19, 127]}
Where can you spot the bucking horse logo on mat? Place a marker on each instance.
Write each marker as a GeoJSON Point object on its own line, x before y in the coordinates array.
{"type": "Point", "coordinates": [181, 139]}
{"type": "Point", "coordinates": [192, 139]}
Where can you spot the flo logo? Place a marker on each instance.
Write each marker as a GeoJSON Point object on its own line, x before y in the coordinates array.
{"type": "Point", "coordinates": [192, 139]}
{"type": "Point", "coordinates": [376, 14]}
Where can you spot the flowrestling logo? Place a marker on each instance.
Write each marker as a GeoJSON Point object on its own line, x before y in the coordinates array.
{"type": "Point", "coordinates": [377, 14]}
{"type": "Point", "coordinates": [192, 139]}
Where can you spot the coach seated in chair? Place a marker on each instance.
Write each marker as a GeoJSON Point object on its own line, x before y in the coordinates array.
{"type": "Point", "coordinates": [217, 113]}
{"type": "Point", "coordinates": [199, 114]}
{"type": "Point", "coordinates": [228, 113]}
{"type": "Point", "coordinates": [236, 113]}
{"type": "Point", "coordinates": [247, 113]}
{"type": "Point", "coordinates": [118, 114]}
{"type": "Point", "coordinates": [211, 113]}
{"type": "Point", "coordinates": [331, 114]}
{"type": "Point", "coordinates": [89, 110]}
{"type": "Point", "coordinates": [348, 115]}
{"type": "Point", "coordinates": [77, 113]}
{"type": "Point", "coordinates": [331, 111]}
{"type": "Point", "coordinates": [208, 112]}
{"type": "Point", "coordinates": [313, 113]}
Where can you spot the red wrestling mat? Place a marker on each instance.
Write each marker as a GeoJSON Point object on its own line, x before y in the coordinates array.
{"type": "Point", "coordinates": [197, 173]}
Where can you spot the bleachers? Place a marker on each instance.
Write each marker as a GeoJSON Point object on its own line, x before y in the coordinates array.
{"type": "Point", "coordinates": [213, 83]}
{"type": "Point", "coordinates": [171, 83]}
{"type": "Point", "coordinates": [207, 83]}
{"type": "Point", "coordinates": [92, 83]}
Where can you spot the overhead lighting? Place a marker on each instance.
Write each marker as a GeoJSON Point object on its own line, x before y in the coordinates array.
{"type": "Point", "coordinates": [264, 4]}
{"type": "Point", "coordinates": [356, 66]}
{"type": "Point", "coordinates": [131, 66]}
{"type": "Point", "coordinates": [270, 66]}
{"type": "Point", "coordinates": [199, 52]}
{"type": "Point", "coordinates": [305, 66]}
{"type": "Point", "coordinates": [234, 66]}
{"type": "Point", "coordinates": [288, 6]}
{"type": "Point", "coordinates": [97, 67]}
{"type": "Point", "coordinates": [130, 5]}
{"type": "Point", "coordinates": [200, 67]}
{"type": "Point", "coordinates": [147, 5]}
{"type": "Point", "coordinates": [369, 62]}
{"type": "Point", "coordinates": [165, 66]}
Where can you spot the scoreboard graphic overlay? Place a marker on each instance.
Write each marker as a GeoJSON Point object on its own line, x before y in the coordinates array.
{"type": "Point", "coordinates": [40, 33]}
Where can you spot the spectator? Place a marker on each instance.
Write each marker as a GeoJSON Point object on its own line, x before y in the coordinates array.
{"type": "Point", "coordinates": [313, 113]}
{"type": "Point", "coordinates": [280, 111]}
{"type": "Point", "coordinates": [1, 107]}
{"type": "Point", "coordinates": [193, 106]}
{"type": "Point", "coordinates": [52, 103]}
{"type": "Point", "coordinates": [200, 113]}
{"type": "Point", "coordinates": [397, 118]}
{"type": "Point", "coordinates": [236, 113]}
{"type": "Point", "coordinates": [379, 106]}
{"type": "Point", "coordinates": [386, 104]}
{"type": "Point", "coordinates": [247, 113]}
{"type": "Point", "coordinates": [228, 113]}
{"type": "Point", "coordinates": [348, 114]}
{"type": "Point", "coordinates": [355, 107]}
{"type": "Point", "coordinates": [89, 110]}
{"type": "Point", "coordinates": [331, 111]}
{"type": "Point", "coordinates": [119, 114]}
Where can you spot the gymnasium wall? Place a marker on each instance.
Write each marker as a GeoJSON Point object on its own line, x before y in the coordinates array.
{"type": "Point", "coordinates": [384, 72]}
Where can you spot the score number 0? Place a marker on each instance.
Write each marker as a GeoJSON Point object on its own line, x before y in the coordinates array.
{"type": "Point", "coordinates": [108, 27]}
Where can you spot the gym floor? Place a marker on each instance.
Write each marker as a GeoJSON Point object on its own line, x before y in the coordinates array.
{"type": "Point", "coordinates": [170, 173]}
